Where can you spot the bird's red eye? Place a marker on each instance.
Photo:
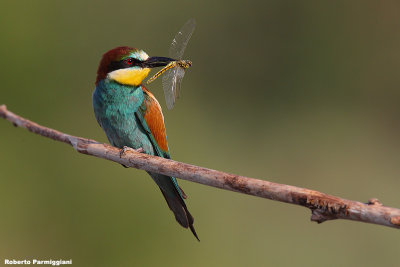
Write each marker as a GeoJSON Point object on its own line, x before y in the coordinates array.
{"type": "Point", "coordinates": [129, 61]}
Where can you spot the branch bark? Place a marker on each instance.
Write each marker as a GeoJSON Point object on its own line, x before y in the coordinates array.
{"type": "Point", "coordinates": [323, 207]}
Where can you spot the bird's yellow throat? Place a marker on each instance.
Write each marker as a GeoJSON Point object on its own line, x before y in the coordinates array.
{"type": "Point", "coordinates": [133, 77]}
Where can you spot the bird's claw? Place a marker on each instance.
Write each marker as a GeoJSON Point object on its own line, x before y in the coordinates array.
{"type": "Point", "coordinates": [139, 150]}
{"type": "Point", "coordinates": [127, 148]}
{"type": "Point", "coordinates": [123, 150]}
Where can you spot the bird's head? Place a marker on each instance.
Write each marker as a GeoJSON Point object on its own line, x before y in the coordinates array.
{"type": "Point", "coordinates": [128, 66]}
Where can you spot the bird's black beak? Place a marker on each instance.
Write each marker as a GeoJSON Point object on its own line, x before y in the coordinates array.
{"type": "Point", "coordinates": [153, 62]}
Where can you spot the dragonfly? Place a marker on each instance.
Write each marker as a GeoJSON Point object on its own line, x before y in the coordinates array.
{"type": "Point", "coordinates": [175, 70]}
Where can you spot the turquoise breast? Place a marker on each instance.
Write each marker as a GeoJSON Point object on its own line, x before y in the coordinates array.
{"type": "Point", "coordinates": [114, 107]}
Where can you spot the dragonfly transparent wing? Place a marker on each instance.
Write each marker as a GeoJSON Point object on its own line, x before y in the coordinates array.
{"type": "Point", "coordinates": [172, 85]}
{"type": "Point", "coordinates": [181, 39]}
{"type": "Point", "coordinates": [172, 78]}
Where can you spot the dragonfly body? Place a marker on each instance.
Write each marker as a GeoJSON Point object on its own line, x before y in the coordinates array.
{"type": "Point", "coordinates": [185, 64]}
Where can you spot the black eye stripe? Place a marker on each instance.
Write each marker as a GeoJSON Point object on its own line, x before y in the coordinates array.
{"type": "Point", "coordinates": [131, 61]}
{"type": "Point", "coordinates": [123, 64]}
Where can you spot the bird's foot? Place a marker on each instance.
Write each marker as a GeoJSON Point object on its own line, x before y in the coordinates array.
{"type": "Point", "coordinates": [127, 148]}
{"type": "Point", "coordinates": [139, 150]}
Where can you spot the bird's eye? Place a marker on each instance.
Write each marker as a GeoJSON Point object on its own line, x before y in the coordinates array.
{"type": "Point", "coordinates": [129, 61]}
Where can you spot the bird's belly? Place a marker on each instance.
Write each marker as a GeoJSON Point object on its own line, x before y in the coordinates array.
{"type": "Point", "coordinates": [126, 131]}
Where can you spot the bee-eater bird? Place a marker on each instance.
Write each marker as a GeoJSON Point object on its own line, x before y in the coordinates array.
{"type": "Point", "coordinates": [132, 117]}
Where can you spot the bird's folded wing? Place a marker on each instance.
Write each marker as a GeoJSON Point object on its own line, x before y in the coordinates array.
{"type": "Point", "coordinates": [151, 117]}
{"type": "Point", "coordinates": [152, 120]}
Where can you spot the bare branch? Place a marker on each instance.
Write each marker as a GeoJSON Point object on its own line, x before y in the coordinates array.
{"type": "Point", "coordinates": [323, 207]}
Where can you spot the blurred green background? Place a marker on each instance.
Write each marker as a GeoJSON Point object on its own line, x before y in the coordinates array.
{"type": "Point", "coordinates": [298, 92]}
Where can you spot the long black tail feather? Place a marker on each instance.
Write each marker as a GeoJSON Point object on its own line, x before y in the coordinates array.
{"type": "Point", "coordinates": [182, 215]}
